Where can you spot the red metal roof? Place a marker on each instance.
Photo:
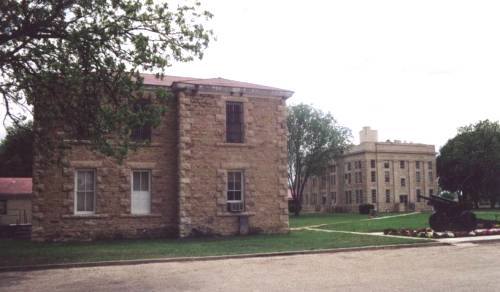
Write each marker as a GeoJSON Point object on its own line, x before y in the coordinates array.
{"type": "Point", "coordinates": [150, 79]}
{"type": "Point", "coordinates": [13, 186]}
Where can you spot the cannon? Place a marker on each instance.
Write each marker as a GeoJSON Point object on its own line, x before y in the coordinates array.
{"type": "Point", "coordinates": [450, 215]}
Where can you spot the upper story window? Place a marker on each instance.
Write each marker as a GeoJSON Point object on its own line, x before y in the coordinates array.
{"type": "Point", "coordinates": [323, 182]}
{"type": "Point", "coordinates": [401, 164]}
{"type": "Point", "coordinates": [372, 163]}
{"type": "Point", "coordinates": [85, 191]}
{"type": "Point", "coordinates": [333, 179]}
{"type": "Point", "coordinates": [417, 164]}
{"type": "Point", "coordinates": [429, 165]}
{"type": "Point", "coordinates": [234, 122]}
{"type": "Point", "coordinates": [373, 176]}
{"type": "Point", "coordinates": [386, 164]}
{"type": "Point", "coordinates": [387, 177]}
{"type": "Point", "coordinates": [348, 166]}
{"type": "Point", "coordinates": [403, 182]}
{"type": "Point", "coordinates": [141, 132]}
{"type": "Point", "coordinates": [417, 176]}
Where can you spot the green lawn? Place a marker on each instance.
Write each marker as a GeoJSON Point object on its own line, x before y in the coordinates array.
{"type": "Point", "coordinates": [14, 252]}
{"type": "Point", "coordinates": [409, 221]}
{"type": "Point", "coordinates": [323, 218]}
{"type": "Point", "coordinates": [413, 221]}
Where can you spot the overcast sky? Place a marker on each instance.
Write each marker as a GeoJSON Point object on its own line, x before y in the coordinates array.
{"type": "Point", "coordinates": [413, 70]}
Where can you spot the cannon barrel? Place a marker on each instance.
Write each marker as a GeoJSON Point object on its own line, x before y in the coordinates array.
{"type": "Point", "coordinates": [435, 199]}
{"type": "Point", "coordinates": [449, 214]}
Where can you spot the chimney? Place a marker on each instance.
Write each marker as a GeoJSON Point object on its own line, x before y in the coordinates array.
{"type": "Point", "coordinates": [368, 135]}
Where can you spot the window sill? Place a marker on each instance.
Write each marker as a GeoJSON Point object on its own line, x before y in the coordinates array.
{"type": "Point", "coordinates": [85, 216]}
{"type": "Point", "coordinates": [239, 145]}
{"type": "Point", "coordinates": [230, 214]}
{"type": "Point", "coordinates": [140, 215]}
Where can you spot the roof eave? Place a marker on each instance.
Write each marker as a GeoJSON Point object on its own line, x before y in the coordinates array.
{"type": "Point", "coordinates": [230, 90]}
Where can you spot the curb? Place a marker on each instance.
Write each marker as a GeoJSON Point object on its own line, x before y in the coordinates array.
{"type": "Point", "coordinates": [214, 258]}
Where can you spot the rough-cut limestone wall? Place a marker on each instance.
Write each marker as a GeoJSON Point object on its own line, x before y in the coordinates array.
{"type": "Point", "coordinates": [204, 160]}
{"type": "Point", "coordinates": [54, 190]}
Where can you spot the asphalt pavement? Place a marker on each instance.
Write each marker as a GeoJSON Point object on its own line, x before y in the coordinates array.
{"type": "Point", "coordinates": [462, 267]}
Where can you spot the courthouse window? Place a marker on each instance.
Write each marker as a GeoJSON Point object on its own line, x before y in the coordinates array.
{"type": "Point", "coordinates": [234, 122]}
{"type": "Point", "coordinates": [85, 191]}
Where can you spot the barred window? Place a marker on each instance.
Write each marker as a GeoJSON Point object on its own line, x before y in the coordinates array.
{"type": "Point", "coordinates": [142, 132]}
{"type": "Point", "coordinates": [234, 122]}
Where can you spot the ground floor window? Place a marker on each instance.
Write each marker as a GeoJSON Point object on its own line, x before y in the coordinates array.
{"type": "Point", "coordinates": [374, 196]}
{"type": "Point", "coordinates": [85, 191]}
{"type": "Point", "coordinates": [235, 191]}
{"type": "Point", "coordinates": [333, 196]}
{"type": "Point", "coordinates": [418, 195]}
{"type": "Point", "coordinates": [387, 196]}
{"type": "Point", "coordinates": [141, 192]}
{"type": "Point", "coordinates": [403, 199]}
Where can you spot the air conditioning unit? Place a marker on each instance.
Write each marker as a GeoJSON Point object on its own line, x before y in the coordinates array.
{"type": "Point", "coordinates": [235, 207]}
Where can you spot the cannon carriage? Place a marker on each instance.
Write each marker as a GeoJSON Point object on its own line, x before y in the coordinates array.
{"type": "Point", "coordinates": [450, 215]}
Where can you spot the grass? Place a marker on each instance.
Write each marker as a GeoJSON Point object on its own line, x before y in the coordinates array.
{"type": "Point", "coordinates": [15, 252]}
{"type": "Point", "coordinates": [409, 221]}
{"type": "Point", "coordinates": [413, 221]}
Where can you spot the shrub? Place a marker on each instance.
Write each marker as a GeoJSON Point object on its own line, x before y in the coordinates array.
{"type": "Point", "coordinates": [365, 208]}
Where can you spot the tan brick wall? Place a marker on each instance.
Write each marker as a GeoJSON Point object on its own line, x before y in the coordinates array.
{"type": "Point", "coordinates": [188, 160]}
{"type": "Point", "coordinates": [205, 160]}
{"type": "Point", "coordinates": [54, 183]}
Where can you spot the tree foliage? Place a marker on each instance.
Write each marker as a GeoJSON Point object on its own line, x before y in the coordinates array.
{"type": "Point", "coordinates": [16, 151]}
{"type": "Point", "coordinates": [80, 59]}
{"type": "Point", "coordinates": [470, 162]}
{"type": "Point", "coordinates": [314, 139]}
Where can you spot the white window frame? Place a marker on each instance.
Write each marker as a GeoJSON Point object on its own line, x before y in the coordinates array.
{"type": "Point", "coordinates": [76, 212]}
{"type": "Point", "coordinates": [242, 177]}
{"type": "Point", "coordinates": [132, 190]}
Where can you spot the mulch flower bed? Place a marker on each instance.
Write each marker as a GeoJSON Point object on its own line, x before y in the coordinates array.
{"type": "Point", "coordinates": [429, 233]}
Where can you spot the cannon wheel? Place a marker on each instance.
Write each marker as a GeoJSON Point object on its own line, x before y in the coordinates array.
{"type": "Point", "coordinates": [468, 220]}
{"type": "Point", "coordinates": [439, 222]}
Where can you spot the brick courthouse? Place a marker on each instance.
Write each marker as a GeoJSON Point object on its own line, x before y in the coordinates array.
{"type": "Point", "coordinates": [217, 164]}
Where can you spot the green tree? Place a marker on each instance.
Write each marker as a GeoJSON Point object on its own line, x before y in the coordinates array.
{"type": "Point", "coordinates": [16, 151]}
{"type": "Point", "coordinates": [80, 61]}
{"type": "Point", "coordinates": [470, 162]}
{"type": "Point", "coordinates": [314, 139]}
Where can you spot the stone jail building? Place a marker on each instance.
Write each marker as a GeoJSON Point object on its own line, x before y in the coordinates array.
{"type": "Point", "coordinates": [389, 175]}
{"type": "Point", "coordinates": [215, 165]}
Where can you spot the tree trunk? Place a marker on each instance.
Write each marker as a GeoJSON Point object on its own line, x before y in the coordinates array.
{"type": "Point", "coordinates": [297, 207]}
